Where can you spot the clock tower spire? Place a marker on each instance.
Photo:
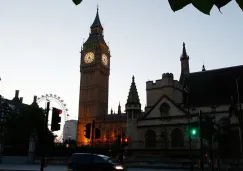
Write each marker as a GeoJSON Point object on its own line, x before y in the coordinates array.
{"type": "Point", "coordinates": [97, 22]}
{"type": "Point", "coordinates": [94, 81]}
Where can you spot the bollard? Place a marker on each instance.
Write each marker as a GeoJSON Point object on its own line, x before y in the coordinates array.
{"type": "Point", "coordinates": [46, 162]}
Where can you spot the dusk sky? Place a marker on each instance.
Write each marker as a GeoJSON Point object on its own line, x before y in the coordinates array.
{"type": "Point", "coordinates": [40, 43]}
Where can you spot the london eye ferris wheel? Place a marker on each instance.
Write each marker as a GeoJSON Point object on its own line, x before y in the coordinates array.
{"type": "Point", "coordinates": [57, 102]}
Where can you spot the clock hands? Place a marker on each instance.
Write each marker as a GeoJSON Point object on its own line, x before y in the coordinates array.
{"type": "Point", "coordinates": [89, 57]}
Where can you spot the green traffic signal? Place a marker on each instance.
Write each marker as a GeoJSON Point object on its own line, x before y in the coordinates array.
{"type": "Point", "coordinates": [193, 131]}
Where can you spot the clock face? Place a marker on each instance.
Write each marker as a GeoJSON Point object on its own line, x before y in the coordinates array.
{"type": "Point", "coordinates": [104, 59]}
{"type": "Point", "coordinates": [89, 57]}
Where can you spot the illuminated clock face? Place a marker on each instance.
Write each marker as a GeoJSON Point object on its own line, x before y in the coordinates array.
{"type": "Point", "coordinates": [89, 57]}
{"type": "Point", "coordinates": [104, 59]}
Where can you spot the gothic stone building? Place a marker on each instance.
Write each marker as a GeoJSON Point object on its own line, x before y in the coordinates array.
{"type": "Point", "coordinates": [172, 104]}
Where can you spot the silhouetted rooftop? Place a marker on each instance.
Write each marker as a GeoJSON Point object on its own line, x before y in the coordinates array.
{"type": "Point", "coordinates": [215, 86]}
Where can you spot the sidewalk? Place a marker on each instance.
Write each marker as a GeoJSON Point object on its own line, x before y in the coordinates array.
{"type": "Point", "coordinates": [29, 167]}
{"type": "Point", "coordinates": [172, 166]}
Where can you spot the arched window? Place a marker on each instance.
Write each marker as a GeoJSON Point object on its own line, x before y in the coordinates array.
{"type": "Point", "coordinates": [164, 109]}
{"type": "Point", "coordinates": [150, 139]}
{"type": "Point", "coordinates": [177, 138]}
{"type": "Point", "coordinates": [224, 121]}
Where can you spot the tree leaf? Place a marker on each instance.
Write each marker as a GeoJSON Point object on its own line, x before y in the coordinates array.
{"type": "Point", "coordinates": [221, 3]}
{"type": "Point", "coordinates": [240, 3]}
{"type": "Point", "coordinates": [76, 2]}
{"type": "Point", "coordinates": [176, 5]}
{"type": "Point", "coordinates": [204, 6]}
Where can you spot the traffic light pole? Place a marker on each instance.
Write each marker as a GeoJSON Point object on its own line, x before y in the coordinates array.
{"type": "Point", "coordinates": [189, 128]}
{"type": "Point", "coordinates": [122, 147]}
{"type": "Point", "coordinates": [92, 137]}
{"type": "Point", "coordinates": [211, 145]}
{"type": "Point", "coordinates": [201, 141]}
{"type": "Point", "coordinates": [44, 137]}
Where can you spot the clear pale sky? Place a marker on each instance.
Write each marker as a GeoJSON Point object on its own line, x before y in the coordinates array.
{"type": "Point", "coordinates": [40, 43]}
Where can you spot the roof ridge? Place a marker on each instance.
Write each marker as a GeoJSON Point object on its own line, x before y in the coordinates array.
{"type": "Point", "coordinates": [217, 69]}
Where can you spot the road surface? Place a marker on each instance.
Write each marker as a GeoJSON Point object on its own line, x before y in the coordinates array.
{"type": "Point", "coordinates": [59, 168]}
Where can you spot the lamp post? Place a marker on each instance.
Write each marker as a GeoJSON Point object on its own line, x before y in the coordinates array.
{"type": "Point", "coordinates": [239, 113]}
{"type": "Point", "coordinates": [238, 99]}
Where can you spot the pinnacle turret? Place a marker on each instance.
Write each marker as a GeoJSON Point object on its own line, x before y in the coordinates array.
{"type": "Point", "coordinates": [133, 97]}
{"type": "Point", "coordinates": [112, 111]}
{"type": "Point", "coordinates": [184, 53]}
{"type": "Point", "coordinates": [119, 109]}
{"type": "Point", "coordinates": [185, 69]}
{"type": "Point", "coordinates": [203, 68]}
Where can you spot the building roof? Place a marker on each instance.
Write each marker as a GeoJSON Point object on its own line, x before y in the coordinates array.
{"type": "Point", "coordinates": [215, 87]}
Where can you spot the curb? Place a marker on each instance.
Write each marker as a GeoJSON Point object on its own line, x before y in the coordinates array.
{"type": "Point", "coordinates": [16, 170]}
{"type": "Point", "coordinates": [160, 167]}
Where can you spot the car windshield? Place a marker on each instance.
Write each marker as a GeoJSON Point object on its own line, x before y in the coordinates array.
{"type": "Point", "coordinates": [114, 160]}
{"type": "Point", "coordinates": [111, 160]}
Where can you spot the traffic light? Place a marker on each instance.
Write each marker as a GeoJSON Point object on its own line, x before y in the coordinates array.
{"type": "Point", "coordinates": [56, 119]}
{"type": "Point", "coordinates": [97, 133]}
{"type": "Point", "coordinates": [194, 132]}
{"type": "Point", "coordinates": [87, 130]}
{"type": "Point", "coordinates": [125, 141]}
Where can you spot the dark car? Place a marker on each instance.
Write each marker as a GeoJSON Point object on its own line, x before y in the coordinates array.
{"type": "Point", "coordinates": [95, 162]}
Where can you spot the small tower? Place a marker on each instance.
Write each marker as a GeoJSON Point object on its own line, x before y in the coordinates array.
{"type": "Point", "coordinates": [185, 69]}
{"type": "Point", "coordinates": [112, 111]}
{"type": "Point", "coordinates": [133, 110]}
{"type": "Point", "coordinates": [119, 109]}
{"type": "Point", "coordinates": [34, 103]}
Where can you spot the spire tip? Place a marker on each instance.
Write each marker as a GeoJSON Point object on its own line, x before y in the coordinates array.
{"type": "Point", "coordinates": [184, 54]}
{"type": "Point", "coordinates": [203, 67]}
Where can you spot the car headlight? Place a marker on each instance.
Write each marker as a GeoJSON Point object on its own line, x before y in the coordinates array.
{"type": "Point", "coordinates": [118, 167]}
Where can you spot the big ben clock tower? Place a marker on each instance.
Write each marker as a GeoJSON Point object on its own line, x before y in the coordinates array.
{"type": "Point", "coordinates": [94, 81]}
